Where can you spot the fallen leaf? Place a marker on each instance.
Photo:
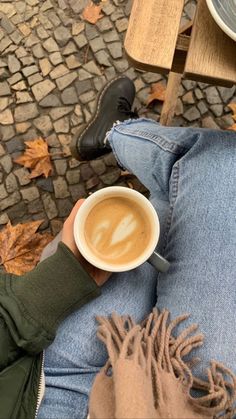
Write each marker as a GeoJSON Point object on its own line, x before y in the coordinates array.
{"type": "Point", "coordinates": [92, 13]}
{"type": "Point", "coordinates": [125, 173]}
{"type": "Point", "coordinates": [232, 106]}
{"type": "Point", "coordinates": [21, 246]}
{"type": "Point", "coordinates": [233, 127]}
{"type": "Point", "coordinates": [158, 91]}
{"type": "Point", "coordinates": [36, 157]}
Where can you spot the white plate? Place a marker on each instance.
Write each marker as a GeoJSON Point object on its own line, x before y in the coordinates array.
{"type": "Point", "coordinates": [224, 13]}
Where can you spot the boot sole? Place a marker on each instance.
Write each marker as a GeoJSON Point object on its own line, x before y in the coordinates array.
{"type": "Point", "coordinates": [75, 142]}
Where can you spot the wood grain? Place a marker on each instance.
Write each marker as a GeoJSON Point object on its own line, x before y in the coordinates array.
{"type": "Point", "coordinates": [211, 56]}
{"type": "Point", "coordinates": [152, 33]}
{"type": "Point", "coordinates": [171, 98]}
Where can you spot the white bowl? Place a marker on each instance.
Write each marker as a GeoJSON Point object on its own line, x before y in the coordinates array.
{"type": "Point", "coordinates": [224, 13]}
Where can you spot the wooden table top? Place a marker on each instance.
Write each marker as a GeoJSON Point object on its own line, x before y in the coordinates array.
{"type": "Point", "coordinates": [153, 42]}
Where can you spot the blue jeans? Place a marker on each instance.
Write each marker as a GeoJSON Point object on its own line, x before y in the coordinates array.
{"type": "Point", "coordinates": [191, 175]}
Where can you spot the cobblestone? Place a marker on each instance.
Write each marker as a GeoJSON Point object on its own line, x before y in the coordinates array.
{"type": "Point", "coordinates": [59, 112]}
{"type": "Point", "coordinates": [42, 89]}
{"type": "Point", "coordinates": [14, 145]}
{"type": "Point", "coordinates": [50, 45]}
{"type": "Point", "coordinates": [73, 176]}
{"type": "Point", "coordinates": [192, 114]}
{"type": "Point", "coordinates": [115, 49]}
{"type": "Point", "coordinates": [98, 166]}
{"type": "Point", "coordinates": [6, 163]}
{"type": "Point", "coordinates": [45, 184]}
{"type": "Point", "coordinates": [62, 125]}
{"type": "Point", "coordinates": [29, 194]}
{"type": "Point", "coordinates": [111, 177]}
{"type": "Point", "coordinates": [97, 44]}
{"type": "Point", "coordinates": [25, 112]}
{"type": "Point", "coordinates": [61, 166]}
{"type": "Point", "coordinates": [9, 201]}
{"type": "Point", "coordinates": [35, 206]}
{"type": "Point", "coordinates": [17, 211]}
{"type": "Point", "coordinates": [23, 176]}
{"type": "Point", "coordinates": [62, 35]}
{"type": "Point", "coordinates": [212, 95]}
{"type": "Point", "coordinates": [3, 192]}
{"type": "Point", "coordinates": [23, 97]}
{"type": "Point", "coordinates": [4, 89]}
{"type": "Point", "coordinates": [80, 40]}
{"type": "Point", "coordinates": [92, 182]}
{"type": "Point", "coordinates": [11, 183]}
{"type": "Point", "coordinates": [50, 101]}
{"type": "Point", "coordinates": [45, 66]}
{"type": "Point", "coordinates": [6, 117]}
{"type": "Point", "coordinates": [59, 71]}
{"type": "Point", "coordinates": [73, 62]}
{"type": "Point", "coordinates": [64, 207]}
{"type": "Point", "coordinates": [44, 124]}
{"type": "Point", "coordinates": [49, 206]}
{"type": "Point", "coordinates": [52, 66]}
{"type": "Point", "coordinates": [208, 122]}
{"type": "Point", "coordinates": [69, 96]}
{"type": "Point", "coordinates": [60, 187]}
{"type": "Point", "coordinates": [13, 64]}
{"type": "Point", "coordinates": [66, 80]}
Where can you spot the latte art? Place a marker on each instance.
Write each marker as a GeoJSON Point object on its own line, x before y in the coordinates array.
{"type": "Point", "coordinates": [116, 230]}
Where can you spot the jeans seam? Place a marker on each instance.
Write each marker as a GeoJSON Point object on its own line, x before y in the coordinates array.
{"type": "Point", "coordinates": [174, 190]}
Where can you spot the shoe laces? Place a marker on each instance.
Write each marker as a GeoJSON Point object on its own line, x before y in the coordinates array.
{"type": "Point", "coordinates": [124, 106]}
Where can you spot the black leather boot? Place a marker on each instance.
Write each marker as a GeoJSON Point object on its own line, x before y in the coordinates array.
{"type": "Point", "coordinates": [114, 103]}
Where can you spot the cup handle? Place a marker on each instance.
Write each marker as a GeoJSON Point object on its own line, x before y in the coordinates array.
{"type": "Point", "coordinates": [160, 263]}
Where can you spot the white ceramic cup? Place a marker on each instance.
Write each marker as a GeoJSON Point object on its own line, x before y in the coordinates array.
{"type": "Point", "coordinates": [148, 254]}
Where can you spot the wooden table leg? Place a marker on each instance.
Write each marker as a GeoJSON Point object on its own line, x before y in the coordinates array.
{"type": "Point", "coordinates": [171, 98]}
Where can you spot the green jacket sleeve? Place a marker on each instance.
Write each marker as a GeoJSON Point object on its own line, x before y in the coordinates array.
{"type": "Point", "coordinates": [33, 305]}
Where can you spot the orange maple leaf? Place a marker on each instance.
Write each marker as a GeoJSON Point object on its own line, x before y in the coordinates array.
{"type": "Point", "coordinates": [36, 157]}
{"type": "Point", "coordinates": [21, 247]}
{"type": "Point", "coordinates": [232, 106]}
{"type": "Point", "coordinates": [233, 127]}
{"type": "Point", "coordinates": [92, 13]}
{"type": "Point", "coordinates": [158, 92]}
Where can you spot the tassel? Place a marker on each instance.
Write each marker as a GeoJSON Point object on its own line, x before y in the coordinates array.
{"type": "Point", "coordinates": [153, 347]}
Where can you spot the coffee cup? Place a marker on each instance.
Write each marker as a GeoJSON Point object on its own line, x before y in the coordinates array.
{"type": "Point", "coordinates": [117, 229]}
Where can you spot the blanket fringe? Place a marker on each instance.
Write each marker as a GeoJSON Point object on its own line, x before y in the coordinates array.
{"type": "Point", "coordinates": [153, 347]}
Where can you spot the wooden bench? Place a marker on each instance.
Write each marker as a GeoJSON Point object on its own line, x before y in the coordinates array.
{"type": "Point", "coordinates": [199, 51]}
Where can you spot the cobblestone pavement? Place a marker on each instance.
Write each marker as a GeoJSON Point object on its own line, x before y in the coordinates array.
{"type": "Point", "coordinates": [52, 65]}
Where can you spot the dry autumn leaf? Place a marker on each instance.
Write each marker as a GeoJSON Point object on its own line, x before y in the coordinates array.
{"type": "Point", "coordinates": [92, 13]}
{"type": "Point", "coordinates": [130, 185]}
{"type": "Point", "coordinates": [232, 106]}
{"type": "Point", "coordinates": [158, 91]}
{"type": "Point", "coordinates": [125, 173]}
{"type": "Point", "coordinates": [233, 127]}
{"type": "Point", "coordinates": [21, 246]}
{"type": "Point", "coordinates": [36, 157]}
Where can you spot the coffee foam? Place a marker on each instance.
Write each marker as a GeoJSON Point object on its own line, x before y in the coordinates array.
{"type": "Point", "coordinates": [116, 230]}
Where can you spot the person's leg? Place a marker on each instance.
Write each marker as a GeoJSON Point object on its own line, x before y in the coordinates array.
{"type": "Point", "coordinates": [155, 154]}
{"type": "Point", "coordinates": [199, 235]}
{"type": "Point", "coordinates": [76, 355]}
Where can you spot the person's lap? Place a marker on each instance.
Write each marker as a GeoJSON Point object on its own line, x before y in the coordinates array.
{"type": "Point", "coordinates": [191, 177]}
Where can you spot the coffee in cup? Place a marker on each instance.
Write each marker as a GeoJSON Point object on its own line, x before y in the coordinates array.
{"type": "Point", "coordinates": [117, 229]}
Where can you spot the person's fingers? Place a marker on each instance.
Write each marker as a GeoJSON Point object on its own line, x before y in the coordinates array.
{"type": "Point", "coordinates": [74, 210]}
